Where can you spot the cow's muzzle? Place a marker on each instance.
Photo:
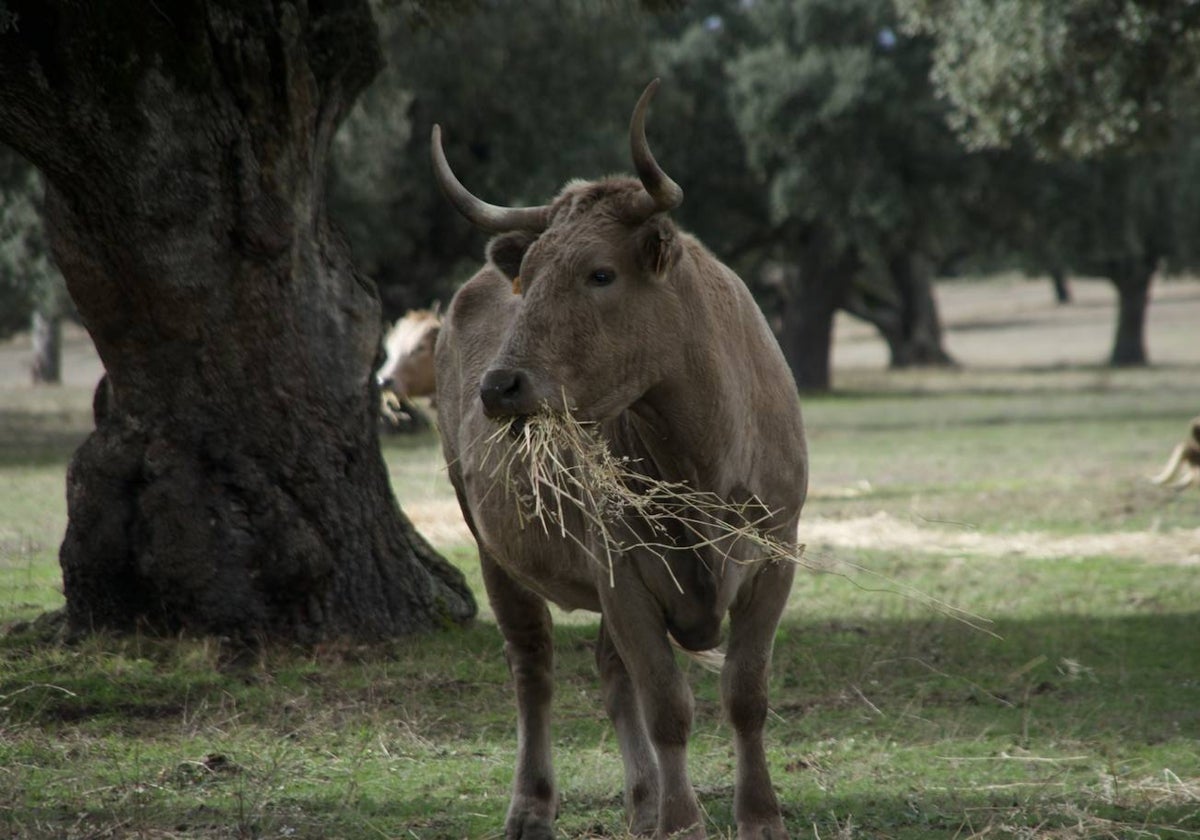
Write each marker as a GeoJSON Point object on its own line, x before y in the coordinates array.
{"type": "Point", "coordinates": [507, 393]}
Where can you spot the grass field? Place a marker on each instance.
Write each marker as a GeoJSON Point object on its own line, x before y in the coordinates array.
{"type": "Point", "coordinates": [1013, 490]}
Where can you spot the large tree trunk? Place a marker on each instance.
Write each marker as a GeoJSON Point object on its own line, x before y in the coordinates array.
{"type": "Point", "coordinates": [46, 340]}
{"type": "Point", "coordinates": [234, 482]}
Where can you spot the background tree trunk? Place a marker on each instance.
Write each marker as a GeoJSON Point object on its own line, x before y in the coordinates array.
{"type": "Point", "coordinates": [1062, 288]}
{"type": "Point", "coordinates": [1132, 281]}
{"type": "Point", "coordinates": [46, 340]}
{"type": "Point", "coordinates": [876, 303]}
{"type": "Point", "coordinates": [900, 304]}
{"type": "Point", "coordinates": [813, 294]}
{"type": "Point", "coordinates": [233, 483]}
{"type": "Point", "coordinates": [921, 326]}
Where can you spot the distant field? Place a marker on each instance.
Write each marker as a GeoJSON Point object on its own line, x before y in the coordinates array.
{"type": "Point", "coordinates": [1062, 702]}
{"type": "Point", "coordinates": [1009, 321]}
{"type": "Point", "coordinates": [1006, 321]}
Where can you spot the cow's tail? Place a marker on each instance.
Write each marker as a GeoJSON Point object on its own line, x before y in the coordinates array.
{"type": "Point", "coordinates": [712, 659]}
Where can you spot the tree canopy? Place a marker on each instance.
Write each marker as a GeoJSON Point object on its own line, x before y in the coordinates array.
{"type": "Point", "coordinates": [1076, 78]}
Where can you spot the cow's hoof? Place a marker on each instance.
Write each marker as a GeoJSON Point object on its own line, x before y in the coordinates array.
{"type": "Point", "coordinates": [763, 831]}
{"type": "Point", "coordinates": [643, 827]}
{"type": "Point", "coordinates": [693, 832]}
{"type": "Point", "coordinates": [528, 827]}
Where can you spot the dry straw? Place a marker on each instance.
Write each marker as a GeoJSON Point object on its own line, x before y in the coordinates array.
{"type": "Point", "coordinates": [561, 465]}
{"type": "Point", "coordinates": [554, 464]}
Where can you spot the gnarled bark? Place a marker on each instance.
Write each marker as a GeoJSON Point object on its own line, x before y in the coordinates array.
{"type": "Point", "coordinates": [234, 482]}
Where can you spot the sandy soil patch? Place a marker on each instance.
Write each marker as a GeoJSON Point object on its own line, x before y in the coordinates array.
{"type": "Point", "coordinates": [442, 524]}
{"type": "Point", "coordinates": [439, 521]}
{"type": "Point", "coordinates": [884, 532]}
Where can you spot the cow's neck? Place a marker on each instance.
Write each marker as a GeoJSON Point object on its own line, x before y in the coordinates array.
{"type": "Point", "coordinates": [688, 430]}
{"type": "Point", "coordinates": [697, 421]}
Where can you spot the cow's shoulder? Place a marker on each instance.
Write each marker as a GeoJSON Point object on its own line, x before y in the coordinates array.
{"type": "Point", "coordinates": [479, 297]}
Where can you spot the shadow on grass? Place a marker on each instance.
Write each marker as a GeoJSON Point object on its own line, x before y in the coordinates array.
{"type": "Point", "coordinates": [1059, 379]}
{"type": "Point", "coordinates": [1072, 725]}
{"type": "Point", "coordinates": [901, 816]}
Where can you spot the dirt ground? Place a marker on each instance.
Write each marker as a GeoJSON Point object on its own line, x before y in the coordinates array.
{"type": "Point", "coordinates": [440, 522]}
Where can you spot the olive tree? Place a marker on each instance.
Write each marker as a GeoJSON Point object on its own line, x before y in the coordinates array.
{"type": "Point", "coordinates": [1100, 81]}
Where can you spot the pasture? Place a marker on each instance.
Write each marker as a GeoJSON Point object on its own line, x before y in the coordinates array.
{"type": "Point", "coordinates": [1003, 639]}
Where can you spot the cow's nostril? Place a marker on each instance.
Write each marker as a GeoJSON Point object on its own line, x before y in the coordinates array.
{"type": "Point", "coordinates": [505, 393]}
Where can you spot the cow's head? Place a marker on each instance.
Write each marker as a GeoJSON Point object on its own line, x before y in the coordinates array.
{"type": "Point", "coordinates": [600, 317]}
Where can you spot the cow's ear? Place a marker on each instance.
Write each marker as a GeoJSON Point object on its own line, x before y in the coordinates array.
{"type": "Point", "coordinates": [659, 246]}
{"type": "Point", "coordinates": [508, 249]}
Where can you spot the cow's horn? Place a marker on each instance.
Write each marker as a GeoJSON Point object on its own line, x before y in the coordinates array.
{"type": "Point", "coordinates": [490, 217]}
{"type": "Point", "coordinates": [661, 192]}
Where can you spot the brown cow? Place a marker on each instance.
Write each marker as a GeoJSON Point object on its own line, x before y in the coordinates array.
{"type": "Point", "coordinates": [628, 322]}
{"type": "Point", "coordinates": [1183, 467]}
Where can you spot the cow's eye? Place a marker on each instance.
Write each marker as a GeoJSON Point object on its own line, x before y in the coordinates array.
{"type": "Point", "coordinates": [602, 277]}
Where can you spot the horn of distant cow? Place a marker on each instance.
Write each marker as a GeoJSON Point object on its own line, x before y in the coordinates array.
{"type": "Point", "coordinates": [661, 192]}
{"type": "Point", "coordinates": [489, 217]}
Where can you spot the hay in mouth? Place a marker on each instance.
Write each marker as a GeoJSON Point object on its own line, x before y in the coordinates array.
{"type": "Point", "coordinates": [553, 463]}
{"type": "Point", "coordinates": [562, 464]}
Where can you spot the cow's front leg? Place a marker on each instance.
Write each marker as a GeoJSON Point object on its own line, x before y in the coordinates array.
{"type": "Point", "coordinates": [639, 633]}
{"type": "Point", "coordinates": [529, 646]}
{"type": "Point", "coordinates": [753, 619]}
{"type": "Point", "coordinates": [641, 768]}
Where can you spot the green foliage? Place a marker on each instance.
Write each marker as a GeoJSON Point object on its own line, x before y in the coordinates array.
{"type": "Point", "coordinates": [837, 114]}
{"type": "Point", "coordinates": [1074, 77]}
{"type": "Point", "coordinates": [1185, 203]}
{"type": "Point", "coordinates": [701, 144]}
{"type": "Point", "coordinates": [28, 279]}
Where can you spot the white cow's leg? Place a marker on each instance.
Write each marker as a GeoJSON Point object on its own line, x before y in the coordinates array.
{"type": "Point", "coordinates": [641, 768]}
{"type": "Point", "coordinates": [1174, 465]}
{"type": "Point", "coordinates": [753, 619]}
{"type": "Point", "coordinates": [638, 631]}
{"type": "Point", "coordinates": [526, 624]}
